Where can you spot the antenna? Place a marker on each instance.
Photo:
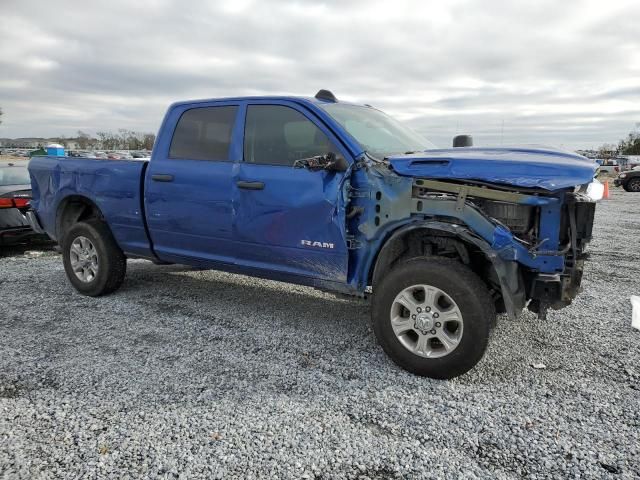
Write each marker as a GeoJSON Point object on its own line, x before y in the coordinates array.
{"type": "Point", "coordinates": [326, 95]}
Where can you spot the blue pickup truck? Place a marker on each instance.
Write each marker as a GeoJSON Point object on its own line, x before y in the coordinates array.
{"type": "Point", "coordinates": [340, 197]}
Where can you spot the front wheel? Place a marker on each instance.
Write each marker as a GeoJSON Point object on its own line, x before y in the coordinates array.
{"type": "Point", "coordinates": [94, 263]}
{"type": "Point", "coordinates": [433, 317]}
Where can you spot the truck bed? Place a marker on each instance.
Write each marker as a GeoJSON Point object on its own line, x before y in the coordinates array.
{"type": "Point", "coordinates": [115, 186]}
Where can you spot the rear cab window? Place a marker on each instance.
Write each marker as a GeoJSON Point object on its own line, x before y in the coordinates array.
{"type": "Point", "coordinates": [204, 133]}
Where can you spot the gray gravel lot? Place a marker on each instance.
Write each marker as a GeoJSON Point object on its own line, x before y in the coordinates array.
{"type": "Point", "coordinates": [187, 374]}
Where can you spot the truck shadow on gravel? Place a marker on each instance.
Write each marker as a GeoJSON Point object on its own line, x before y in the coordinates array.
{"type": "Point", "coordinates": [211, 323]}
{"type": "Point", "coordinates": [182, 291]}
{"type": "Point", "coordinates": [38, 247]}
{"type": "Point", "coordinates": [13, 386]}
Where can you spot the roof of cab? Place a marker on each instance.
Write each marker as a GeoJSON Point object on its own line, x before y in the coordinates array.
{"type": "Point", "coordinates": [322, 97]}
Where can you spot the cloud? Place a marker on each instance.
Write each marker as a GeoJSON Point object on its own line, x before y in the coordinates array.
{"type": "Point", "coordinates": [534, 72]}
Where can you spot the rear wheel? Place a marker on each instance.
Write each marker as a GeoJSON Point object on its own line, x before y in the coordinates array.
{"type": "Point", "coordinates": [633, 185]}
{"type": "Point", "coordinates": [94, 263]}
{"type": "Point", "coordinates": [433, 316]}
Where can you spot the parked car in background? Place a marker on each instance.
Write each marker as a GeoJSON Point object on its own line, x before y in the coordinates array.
{"type": "Point", "coordinates": [611, 167]}
{"type": "Point", "coordinates": [633, 161]}
{"type": "Point", "coordinates": [15, 194]}
{"type": "Point", "coordinates": [629, 180]}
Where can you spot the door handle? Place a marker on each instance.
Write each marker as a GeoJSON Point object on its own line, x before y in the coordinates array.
{"type": "Point", "coordinates": [161, 177]}
{"type": "Point", "coordinates": [250, 185]}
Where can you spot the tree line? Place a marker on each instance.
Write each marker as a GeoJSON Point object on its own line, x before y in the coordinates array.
{"type": "Point", "coordinates": [630, 145]}
{"type": "Point", "coordinates": [123, 139]}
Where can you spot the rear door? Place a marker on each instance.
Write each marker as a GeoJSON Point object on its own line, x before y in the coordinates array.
{"type": "Point", "coordinates": [289, 220]}
{"type": "Point", "coordinates": [188, 187]}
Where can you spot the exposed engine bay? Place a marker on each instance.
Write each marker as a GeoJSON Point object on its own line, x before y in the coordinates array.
{"type": "Point", "coordinates": [520, 212]}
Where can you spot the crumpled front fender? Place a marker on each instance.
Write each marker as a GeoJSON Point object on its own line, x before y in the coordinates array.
{"type": "Point", "coordinates": [507, 271]}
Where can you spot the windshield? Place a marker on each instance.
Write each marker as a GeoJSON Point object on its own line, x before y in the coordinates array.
{"type": "Point", "coordinates": [16, 175]}
{"type": "Point", "coordinates": [379, 134]}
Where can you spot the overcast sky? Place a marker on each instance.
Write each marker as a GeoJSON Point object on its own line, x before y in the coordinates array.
{"type": "Point", "coordinates": [552, 72]}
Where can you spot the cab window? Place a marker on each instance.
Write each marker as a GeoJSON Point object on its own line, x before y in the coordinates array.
{"type": "Point", "coordinates": [279, 135]}
{"type": "Point", "coordinates": [204, 133]}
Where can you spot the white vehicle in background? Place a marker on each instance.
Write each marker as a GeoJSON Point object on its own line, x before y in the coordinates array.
{"type": "Point", "coordinates": [141, 155]}
{"type": "Point", "coordinates": [612, 167]}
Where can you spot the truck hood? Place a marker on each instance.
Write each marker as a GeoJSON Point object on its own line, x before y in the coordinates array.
{"type": "Point", "coordinates": [545, 168]}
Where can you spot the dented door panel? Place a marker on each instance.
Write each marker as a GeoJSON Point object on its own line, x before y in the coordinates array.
{"type": "Point", "coordinates": [295, 224]}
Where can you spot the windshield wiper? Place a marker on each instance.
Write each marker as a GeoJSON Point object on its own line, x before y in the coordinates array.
{"type": "Point", "coordinates": [403, 153]}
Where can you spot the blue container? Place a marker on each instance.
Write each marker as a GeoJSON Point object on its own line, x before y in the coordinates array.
{"type": "Point", "coordinates": [55, 150]}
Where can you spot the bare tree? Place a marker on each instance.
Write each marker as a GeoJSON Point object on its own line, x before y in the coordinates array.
{"type": "Point", "coordinates": [108, 140]}
{"type": "Point", "coordinates": [83, 139]}
{"type": "Point", "coordinates": [62, 140]}
{"type": "Point", "coordinates": [0, 115]}
{"type": "Point", "coordinates": [148, 140]}
{"type": "Point", "coordinates": [606, 151]}
{"type": "Point", "coordinates": [104, 138]}
{"type": "Point", "coordinates": [631, 145]}
{"type": "Point", "coordinates": [126, 140]}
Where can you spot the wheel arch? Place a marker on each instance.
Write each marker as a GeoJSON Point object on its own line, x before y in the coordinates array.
{"type": "Point", "coordinates": [71, 210]}
{"type": "Point", "coordinates": [436, 238]}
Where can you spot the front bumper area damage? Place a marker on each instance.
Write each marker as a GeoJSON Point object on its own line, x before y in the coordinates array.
{"type": "Point", "coordinates": [534, 240]}
{"type": "Point", "coordinates": [520, 228]}
{"type": "Point", "coordinates": [558, 290]}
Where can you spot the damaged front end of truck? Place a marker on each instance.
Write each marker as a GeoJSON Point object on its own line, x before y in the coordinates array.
{"type": "Point", "coordinates": [519, 218]}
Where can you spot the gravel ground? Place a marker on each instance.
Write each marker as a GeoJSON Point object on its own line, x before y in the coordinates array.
{"type": "Point", "coordinates": [187, 374]}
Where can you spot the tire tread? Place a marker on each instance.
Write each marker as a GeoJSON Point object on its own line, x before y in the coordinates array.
{"type": "Point", "coordinates": [464, 284]}
{"type": "Point", "coordinates": [116, 261]}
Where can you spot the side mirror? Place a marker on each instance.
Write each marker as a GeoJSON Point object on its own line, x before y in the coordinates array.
{"type": "Point", "coordinates": [330, 162]}
{"type": "Point", "coordinates": [336, 164]}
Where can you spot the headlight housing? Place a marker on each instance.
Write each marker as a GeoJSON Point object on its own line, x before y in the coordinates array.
{"type": "Point", "coordinates": [595, 190]}
{"type": "Point", "coordinates": [622, 175]}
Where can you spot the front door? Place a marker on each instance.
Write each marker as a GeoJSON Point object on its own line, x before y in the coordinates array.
{"type": "Point", "coordinates": [189, 186]}
{"type": "Point", "coordinates": [288, 219]}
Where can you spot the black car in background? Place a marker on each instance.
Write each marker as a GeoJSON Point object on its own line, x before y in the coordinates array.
{"type": "Point", "coordinates": [629, 180]}
{"type": "Point", "coordinates": [15, 193]}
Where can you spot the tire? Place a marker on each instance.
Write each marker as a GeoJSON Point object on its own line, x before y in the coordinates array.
{"type": "Point", "coordinates": [461, 299]}
{"type": "Point", "coordinates": [105, 263]}
{"type": "Point", "coordinates": [633, 185]}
